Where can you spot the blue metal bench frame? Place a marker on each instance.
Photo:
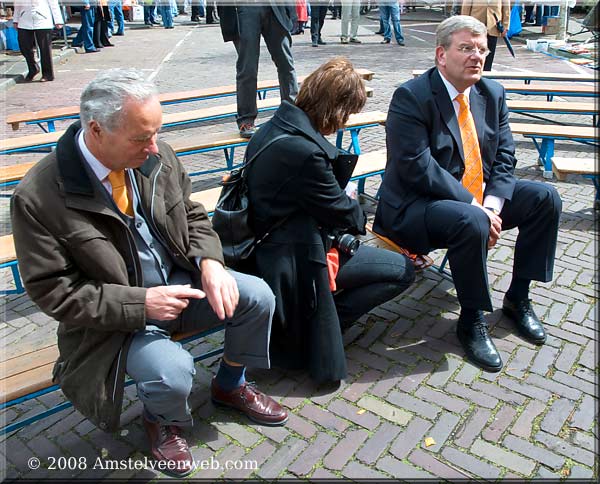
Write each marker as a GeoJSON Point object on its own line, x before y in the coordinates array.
{"type": "Point", "coordinates": [550, 95]}
{"type": "Point", "coordinates": [61, 406]}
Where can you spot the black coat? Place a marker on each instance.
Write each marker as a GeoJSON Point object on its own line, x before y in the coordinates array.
{"type": "Point", "coordinates": [425, 159]}
{"type": "Point", "coordinates": [294, 178]}
{"type": "Point", "coordinates": [284, 13]}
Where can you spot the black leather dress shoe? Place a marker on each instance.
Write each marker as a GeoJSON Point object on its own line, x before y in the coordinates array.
{"type": "Point", "coordinates": [525, 319]}
{"type": "Point", "coordinates": [478, 345]}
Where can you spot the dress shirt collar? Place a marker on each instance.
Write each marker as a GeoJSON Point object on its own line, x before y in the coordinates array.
{"type": "Point", "coordinates": [94, 163]}
{"type": "Point", "coordinates": [452, 92]}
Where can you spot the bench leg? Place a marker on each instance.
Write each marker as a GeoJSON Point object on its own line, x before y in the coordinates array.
{"type": "Point", "coordinates": [339, 139]}
{"type": "Point", "coordinates": [546, 158]}
{"type": "Point", "coordinates": [229, 153]}
{"type": "Point", "coordinates": [14, 267]}
{"type": "Point", "coordinates": [355, 145]}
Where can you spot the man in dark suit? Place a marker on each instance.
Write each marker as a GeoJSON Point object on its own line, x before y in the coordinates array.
{"type": "Point", "coordinates": [449, 183]}
{"type": "Point", "coordinates": [244, 24]}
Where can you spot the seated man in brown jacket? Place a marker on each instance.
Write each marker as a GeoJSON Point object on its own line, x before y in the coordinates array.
{"type": "Point", "coordinates": [110, 244]}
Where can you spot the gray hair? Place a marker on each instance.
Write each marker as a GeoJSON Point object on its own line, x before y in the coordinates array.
{"type": "Point", "coordinates": [443, 34]}
{"type": "Point", "coordinates": [102, 100]}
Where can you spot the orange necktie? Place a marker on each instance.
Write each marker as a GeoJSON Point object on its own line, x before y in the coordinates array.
{"type": "Point", "coordinates": [473, 177]}
{"type": "Point", "coordinates": [119, 191]}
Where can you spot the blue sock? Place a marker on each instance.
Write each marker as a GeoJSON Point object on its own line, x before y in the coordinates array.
{"type": "Point", "coordinates": [230, 377]}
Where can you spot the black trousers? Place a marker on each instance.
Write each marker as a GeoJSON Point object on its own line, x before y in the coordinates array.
{"type": "Point", "coordinates": [317, 19]}
{"type": "Point", "coordinates": [27, 41]}
{"type": "Point", "coordinates": [489, 60]}
{"type": "Point", "coordinates": [464, 229]}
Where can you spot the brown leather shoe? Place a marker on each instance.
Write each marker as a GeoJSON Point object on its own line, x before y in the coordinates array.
{"type": "Point", "coordinates": [167, 445]}
{"type": "Point", "coordinates": [256, 405]}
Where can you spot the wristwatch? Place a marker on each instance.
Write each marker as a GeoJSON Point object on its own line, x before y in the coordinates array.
{"type": "Point", "coordinates": [493, 210]}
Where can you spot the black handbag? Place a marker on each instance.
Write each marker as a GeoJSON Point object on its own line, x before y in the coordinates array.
{"type": "Point", "coordinates": [231, 216]}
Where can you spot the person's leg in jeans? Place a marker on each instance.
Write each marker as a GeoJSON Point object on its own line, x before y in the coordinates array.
{"type": "Point", "coordinates": [395, 16]}
{"type": "Point", "coordinates": [384, 19]}
{"type": "Point", "coordinates": [355, 18]}
{"type": "Point", "coordinates": [369, 278]}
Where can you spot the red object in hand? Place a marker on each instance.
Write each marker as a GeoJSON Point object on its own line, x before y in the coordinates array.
{"type": "Point", "coordinates": [333, 266]}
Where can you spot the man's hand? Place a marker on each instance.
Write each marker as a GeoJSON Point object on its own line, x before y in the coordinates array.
{"type": "Point", "coordinates": [165, 303]}
{"type": "Point", "coordinates": [220, 288]}
{"type": "Point", "coordinates": [495, 227]}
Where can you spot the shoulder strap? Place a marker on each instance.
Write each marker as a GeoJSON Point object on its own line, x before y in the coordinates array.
{"type": "Point", "coordinates": [263, 148]}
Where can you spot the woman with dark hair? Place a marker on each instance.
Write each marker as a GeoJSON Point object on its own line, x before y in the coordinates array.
{"type": "Point", "coordinates": [291, 183]}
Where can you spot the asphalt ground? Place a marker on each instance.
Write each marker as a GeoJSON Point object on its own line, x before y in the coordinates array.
{"type": "Point", "coordinates": [408, 378]}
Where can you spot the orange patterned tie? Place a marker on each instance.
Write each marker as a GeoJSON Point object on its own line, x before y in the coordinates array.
{"type": "Point", "coordinates": [119, 191]}
{"type": "Point", "coordinates": [473, 177]}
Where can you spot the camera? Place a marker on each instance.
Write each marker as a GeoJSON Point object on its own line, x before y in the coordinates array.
{"type": "Point", "coordinates": [345, 243]}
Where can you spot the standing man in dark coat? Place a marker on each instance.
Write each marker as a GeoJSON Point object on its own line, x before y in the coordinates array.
{"type": "Point", "coordinates": [244, 24]}
{"type": "Point", "coordinates": [110, 244]}
{"type": "Point", "coordinates": [449, 183]}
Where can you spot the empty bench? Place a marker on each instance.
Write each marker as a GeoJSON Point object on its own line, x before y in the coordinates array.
{"type": "Point", "coordinates": [202, 143]}
{"type": "Point", "coordinates": [587, 167]}
{"type": "Point", "coordinates": [46, 118]}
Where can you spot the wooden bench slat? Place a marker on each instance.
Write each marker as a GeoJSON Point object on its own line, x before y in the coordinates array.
{"type": "Point", "coordinates": [25, 383]}
{"type": "Point", "coordinates": [31, 361]}
{"type": "Point", "coordinates": [562, 167]}
{"type": "Point", "coordinates": [529, 76]}
{"type": "Point", "coordinates": [551, 88]}
{"type": "Point", "coordinates": [7, 249]}
{"type": "Point", "coordinates": [12, 173]}
{"type": "Point", "coordinates": [558, 106]}
{"type": "Point", "coordinates": [553, 130]}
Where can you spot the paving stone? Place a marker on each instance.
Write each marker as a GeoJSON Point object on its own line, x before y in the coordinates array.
{"type": "Point", "coordinates": [467, 374]}
{"type": "Point", "coordinates": [360, 387]}
{"type": "Point", "coordinates": [535, 452]}
{"type": "Point", "coordinates": [345, 449]}
{"type": "Point", "coordinates": [470, 395]}
{"type": "Point", "coordinates": [499, 393]}
{"type": "Point", "coordinates": [579, 329]}
{"type": "Point", "coordinates": [323, 474]}
{"type": "Point", "coordinates": [585, 414]}
{"type": "Point", "coordinates": [323, 418]}
{"type": "Point", "coordinates": [580, 472]}
{"type": "Point", "coordinates": [520, 363]}
{"type": "Point", "coordinates": [391, 352]}
{"type": "Point", "coordinates": [410, 438]}
{"type": "Point", "coordinates": [471, 427]}
{"type": "Point", "coordinates": [385, 410]}
{"type": "Point", "coordinates": [312, 454]}
{"type": "Point", "coordinates": [396, 468]}
{"type": "Point", "coordinates": [589, 357]}
{"type": "Point", "coordinates": [390, 379]}
{"type": "Point", "coordinates": [440, 398]}
{"type": "Point", "coordinates": [373, 333]}
{"type": "Point", "coordinates": [276, 434]}
{"type": "Point", "coordinates": [585, 374]}
{"type": "Point", "coordinates": [528, 390]}
{"type": "Point", "coordinates": [256, 457]}
{"type": "Point", "coordinates": [475, 466]}
{"type": "Point", "coordinates": [367, 358]}
{"type": "Point", "coordinates": [524, 424]}
{"type": "Point", "coordinates": [555, 418]}
{"type": "Point", "coordinates": [561, 447]}
{"type": "Point", "coordinates": [544, 360]}
{"type": "Point", "coordinates": [377, 443]}
{"type": "Point", "coordinates": [568, 357]}
{"type": "Point", "coordinates": [554, 387]}
{"type": "Point", "coordinates": [352, 413]}
{"type": "Point", "coordinates": [443, 373]}
{"type": "Point", "coordinates": [502, 457]}
{"type": "Point", "coordinates": [577, 383]}
{"type": "Point", "coordinates": [281, 458]}
{"type": "Point", "coordinates": [583, 440]}
{"type": "Point", "coordinates": [416, 376]}
{"type": "Point", "coordinates": [239, 433]}
{"type": "Point", "coordinates": [502, 420]}
{"type": "Point", "coordinates": [412, 404]}
{"type": "Point", "coordinates": [441, 430]}
{"type": "Point", "coordinates": [428, 462]}
{"type": "Point", "coordinates": [301, 426]}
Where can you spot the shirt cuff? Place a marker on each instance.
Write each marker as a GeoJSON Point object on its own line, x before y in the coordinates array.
{"type": "Point", "coordinates": [198, 260]}
{"type": "Point", "coordinates": [496, 203]}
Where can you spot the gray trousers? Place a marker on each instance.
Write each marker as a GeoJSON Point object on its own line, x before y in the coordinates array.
{"type": "Point", "coordinates": [163, 370]}
{"type": "Point", "coordinates": [253, 21]}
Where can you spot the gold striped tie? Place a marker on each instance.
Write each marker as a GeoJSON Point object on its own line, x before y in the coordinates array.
{"type": "Point", "coordinates": [473, 177]}
{"type": "Point", "coordinates": [119, 191]}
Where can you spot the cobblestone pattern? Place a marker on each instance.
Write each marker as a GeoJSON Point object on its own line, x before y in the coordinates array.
{"type": "Point", "coordinates": [408, 379]}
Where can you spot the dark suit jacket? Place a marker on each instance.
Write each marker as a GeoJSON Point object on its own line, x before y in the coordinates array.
{"type": "Point", "coordinates": [294, 177]}
{"type": "Point", "coordinates": [425, 155]}
{"type": "Point", "coordinates": [284, 13]}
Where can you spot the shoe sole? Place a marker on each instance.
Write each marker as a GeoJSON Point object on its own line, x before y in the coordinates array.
{"type": "Point", "coordinates": [509, 314]}
{"type": "Point", "coordinates": [254, 419]}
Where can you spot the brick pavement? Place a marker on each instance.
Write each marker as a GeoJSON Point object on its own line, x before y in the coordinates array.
{"type": "Point", "coordinates": [408, 379]}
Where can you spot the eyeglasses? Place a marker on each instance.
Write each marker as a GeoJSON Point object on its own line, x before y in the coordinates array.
{"type": "Point", "coordinates": [469, 50]}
